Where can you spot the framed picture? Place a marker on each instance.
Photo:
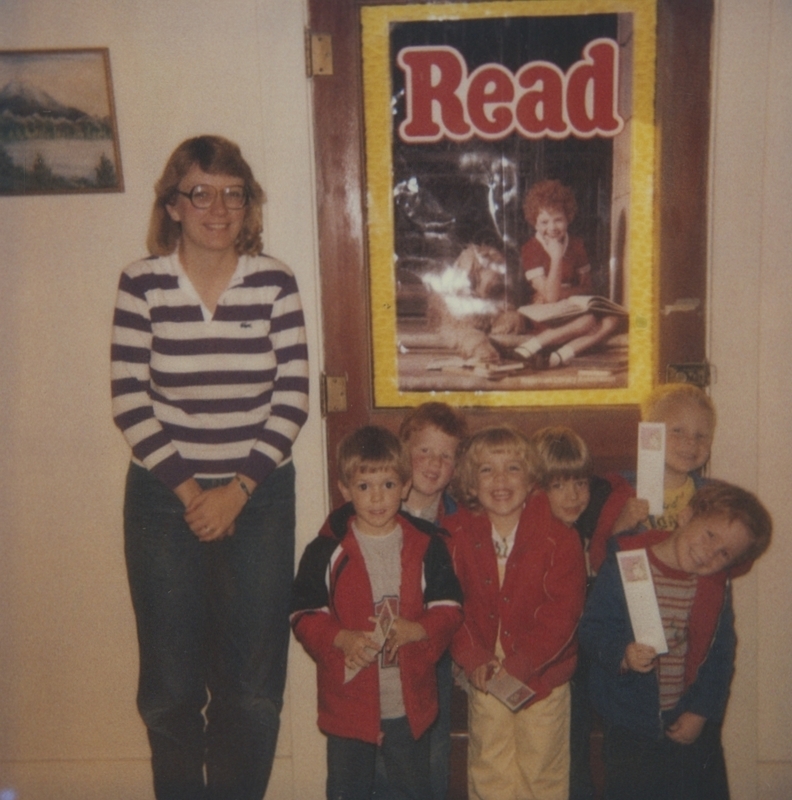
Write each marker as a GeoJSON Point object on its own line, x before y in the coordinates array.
{"type": "Point", "coordinates": [58, 130]}
{"type": "Point", "coordinates": [510, 158]}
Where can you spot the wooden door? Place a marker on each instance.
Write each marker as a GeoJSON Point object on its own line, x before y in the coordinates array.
{"type": "Point", "coordinates": [682, 124]}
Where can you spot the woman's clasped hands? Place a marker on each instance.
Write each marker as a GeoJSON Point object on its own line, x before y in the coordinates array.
{"type": "Point", "coordinates": [211, 513]}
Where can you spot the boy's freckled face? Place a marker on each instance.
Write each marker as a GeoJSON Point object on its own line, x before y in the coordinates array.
{"type": "Point", "coordinates": [688, 438]}
{"type": "Point", "coordinates": [568, 498]}
{"type": "Point", "coordinates": [707, 544]}
{"type": "Point", "coordinates": [432, 460]}
{"type": "Point", "coordinates": [377, 497]}
{"type": "Point", "coordinates": [503, 483]}
{"type": "Point", "coordinates": [551, 223]}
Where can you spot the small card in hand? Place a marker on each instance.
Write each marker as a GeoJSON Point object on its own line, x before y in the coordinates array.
{"type": "Point", "coordinates": [513, 693]}
{"type": "Point", "coordinates": [380, 635]}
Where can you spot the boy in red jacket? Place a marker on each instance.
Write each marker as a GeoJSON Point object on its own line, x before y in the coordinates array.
{"type": "Point", "coordinates": [523, 578]}
{"type": "Point", "coordinates": [372, 695]}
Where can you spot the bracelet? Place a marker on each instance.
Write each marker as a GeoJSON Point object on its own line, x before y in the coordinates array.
{"type": "Point", "coordinates": [243, 486]}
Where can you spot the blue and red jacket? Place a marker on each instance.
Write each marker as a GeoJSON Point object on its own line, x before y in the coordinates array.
{"type": "Point", "coordinates": [632, 699]}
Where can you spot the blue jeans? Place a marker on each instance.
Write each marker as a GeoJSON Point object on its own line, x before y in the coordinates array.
{"type": "Point", "coordinates": [660, 769]}
{"type": "Point", "coordinates": [212, 626]}
{"type": "Point", "coordinates": [440, 732]}
{"type": "Point", "coordinates": [581, 782]}
{"type": "Point", "coordinates": [439, 739]}
{"type": "Point", "coordinates": [350, 764]}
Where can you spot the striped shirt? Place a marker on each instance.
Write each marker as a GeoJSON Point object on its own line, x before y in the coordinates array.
{"type": "Point", "coordinates": [202, 395]}
{"type": "Point", "coordinates": [675, 594]}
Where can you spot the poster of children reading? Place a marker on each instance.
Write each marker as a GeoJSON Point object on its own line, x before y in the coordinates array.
{"type": "Point", "coordinates": [509, 164]}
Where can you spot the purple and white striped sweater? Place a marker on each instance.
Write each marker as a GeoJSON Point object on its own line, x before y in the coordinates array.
{"type": "Point", "coordinates": [206, 396]}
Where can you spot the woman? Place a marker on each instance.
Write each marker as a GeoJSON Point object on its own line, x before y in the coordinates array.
{"type": "Point", "coordinates": [210, 388]}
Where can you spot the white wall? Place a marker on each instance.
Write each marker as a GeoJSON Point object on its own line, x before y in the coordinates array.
{"type": "Point", "coordinates": [750, 336]}
{"type": "Point", "coordinates": [68, 658]}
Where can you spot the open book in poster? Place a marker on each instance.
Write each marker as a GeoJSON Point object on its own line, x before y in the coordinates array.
{"type": "Point", "coordinates": [572, 307]}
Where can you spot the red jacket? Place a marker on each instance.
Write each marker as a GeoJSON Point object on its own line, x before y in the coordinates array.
{"type": "Point", "coordinates": [539, 604]}
{"type": "Point", "coordinates": [621, 491]}
{"type": "Point", "coordinates": [332, 592]}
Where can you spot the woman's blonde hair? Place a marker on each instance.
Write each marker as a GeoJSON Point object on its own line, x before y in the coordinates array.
{"type": "Point", "coordinates": [494, 439]}
{"type": "Point", "coordinates": [216, 156]}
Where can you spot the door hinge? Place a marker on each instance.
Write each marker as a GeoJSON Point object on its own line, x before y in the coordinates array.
{"type": "Point", "coordinates": [318, 53]}
{"type": "Point", "coordinates": [334, 394]}
{"type": "Point", "coordinates": [697, 374]}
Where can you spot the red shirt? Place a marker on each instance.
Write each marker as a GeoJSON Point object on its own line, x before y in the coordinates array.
{"type": "Point", "coordinates": [575, 267]}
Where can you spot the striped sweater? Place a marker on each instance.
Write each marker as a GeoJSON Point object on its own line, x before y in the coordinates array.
{"type": "Point", "coordinates": [207, 396]}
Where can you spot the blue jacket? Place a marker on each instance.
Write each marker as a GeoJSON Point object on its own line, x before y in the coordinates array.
{"type": "Point", "coordinates": [632, 699]}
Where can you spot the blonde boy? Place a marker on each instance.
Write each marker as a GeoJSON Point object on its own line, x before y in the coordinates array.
{"type": "Point", "coordinates": [523, 579]}
{"type": "Point", "coordinates": [689, 417]}
{"type": "Point", "coordinates": [374, 697]}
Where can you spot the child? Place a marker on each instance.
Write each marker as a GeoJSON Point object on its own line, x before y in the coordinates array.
{"type": "Point", "coordinates": [689, 417]}
{"type": "Point", "coordinates": [564, 471]}
{"type": "Point", "coordinates": [565, 475]}
{"type": "Point", "coordinates": [431, 435]}
{"type": "Point", "coordinates": [556, 266]}
{"type": "Point", "coordinates": [663, 713]}
{"type": "Point", "coordinates": [346, 577]}
{"type": "Point", "coordinates": [589, 504]}
{"type": "Point", "coordinates": [523, 578]}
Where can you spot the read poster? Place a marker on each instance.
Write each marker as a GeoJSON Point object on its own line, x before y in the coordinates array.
{"type": "Point", "coordinates": [509, 170]}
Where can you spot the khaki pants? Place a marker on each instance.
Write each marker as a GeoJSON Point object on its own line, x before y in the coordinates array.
{"type": "Point", "coordinates": [521, 755]}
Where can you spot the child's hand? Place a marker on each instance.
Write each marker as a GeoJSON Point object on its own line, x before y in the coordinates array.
{"type": "Point", "coordinates": [483, 673]}
{"type": "Point", "coordinates": [634, 512]}
{"type": "Point", "coordinates": [554, 247]}
{"type": "Point", "coordinates": [401, 632]}
{"type": "Point", "coordinates": [639, 657]}
{"type": "Point", "coordinates": [358, 647]}
{"type": "Point", "coordinates": [687, 728]}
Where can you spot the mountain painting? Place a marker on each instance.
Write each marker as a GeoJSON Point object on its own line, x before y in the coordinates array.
{"type": "Point", "coordinates": [58, 132]}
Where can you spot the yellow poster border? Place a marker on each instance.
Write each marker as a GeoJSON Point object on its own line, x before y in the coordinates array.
{"type": "Point", "coordinates": [642, 245]}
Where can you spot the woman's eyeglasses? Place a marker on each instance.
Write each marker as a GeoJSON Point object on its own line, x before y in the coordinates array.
{"type": "Point", "coordinates": [203, 195]}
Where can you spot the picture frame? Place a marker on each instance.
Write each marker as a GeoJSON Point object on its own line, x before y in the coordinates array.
{"type": "Point", "coordinates": [445, 192]}
{"type": "Point", "coordinates": [58, 128]}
